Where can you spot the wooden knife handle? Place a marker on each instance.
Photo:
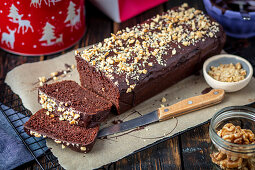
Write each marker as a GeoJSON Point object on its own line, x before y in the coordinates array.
{"type": "Point", "coordinates": [191, 104]}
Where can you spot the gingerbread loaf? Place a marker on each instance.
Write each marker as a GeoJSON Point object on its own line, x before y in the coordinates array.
{"type": "Point", "coordinates": [73, 104]}
{"type": "Point", "coordinates": [77, 138]}
{"type": "Point", "coordinates": [136, 63]}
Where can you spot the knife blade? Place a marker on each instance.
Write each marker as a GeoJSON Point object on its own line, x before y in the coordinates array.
{"type": "Point", "coordinates": [215, 96]}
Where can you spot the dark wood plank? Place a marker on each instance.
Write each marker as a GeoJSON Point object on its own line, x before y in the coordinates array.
{"type": "Point", "coordinates": [99, 26]}
{"type": "Point", "coordinates": [195, 148]}
{"type": "Point", "coordinates": [138, 19]}
{"type": "Point", "coordinates": [241, 47]}
{"type": "Point", "coordinates": [165, 155]}
{"type": "Point", "coordinates": [9, 61]}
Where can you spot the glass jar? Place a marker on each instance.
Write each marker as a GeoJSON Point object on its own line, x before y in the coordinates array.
{"type": "Point", "coordinates": [227, 155]}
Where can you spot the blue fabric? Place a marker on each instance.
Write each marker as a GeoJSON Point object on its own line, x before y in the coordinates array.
{"type": "Point", "coordinates": [13, 152]}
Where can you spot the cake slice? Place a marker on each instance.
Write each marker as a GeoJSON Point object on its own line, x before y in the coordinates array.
{"type": "Point", "coordinates": [78, 138]}
{"type": "Point", "coordinates": [73, 103]}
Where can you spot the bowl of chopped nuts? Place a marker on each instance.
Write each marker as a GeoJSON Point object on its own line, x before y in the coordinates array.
{"type": "Point", "coordinates": [228, 72]}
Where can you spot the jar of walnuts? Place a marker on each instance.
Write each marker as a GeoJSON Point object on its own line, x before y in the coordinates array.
{"type": "Point", "coordinates": [232, 136]}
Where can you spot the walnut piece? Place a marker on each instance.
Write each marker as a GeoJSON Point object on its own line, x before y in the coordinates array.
{"type": "Point", "coordinates": [227, 72]}
{"type": "Point", "coordinates": [237, 135]}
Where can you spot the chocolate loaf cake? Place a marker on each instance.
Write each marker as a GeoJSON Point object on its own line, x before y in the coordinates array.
{"type": "Point", "coordinates": [72, 103]}
{"type": "Point", "coordinates": [77, 138]}
{"type": "Point", "coordinates": [136, 63]}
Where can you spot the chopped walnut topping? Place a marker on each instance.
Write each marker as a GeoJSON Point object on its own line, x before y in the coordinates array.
{"type": "Point", "coordinates": [211, 34]}
{"type": "Point", "coordinates": [131, 51]}
{"type": "Point", "coordinates": [144, 71]}
{"type": "Point", "coordinates": [128, 90]}
{"type": "Point", "coordinates": [173, 51]}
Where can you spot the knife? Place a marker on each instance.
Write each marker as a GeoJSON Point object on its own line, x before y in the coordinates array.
{"type": "Point", "coordinates": [215, 96]}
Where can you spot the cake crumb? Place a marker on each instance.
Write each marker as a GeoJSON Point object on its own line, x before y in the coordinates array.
{"type": "Point", "coordinates": [162, 105]}
{"type": "Point", "coordinates": [57, 141]}
{"type": "Point", "coordinates": [163, 100]}
{"type": "Point", "coordinates": [41, 83]}
{"type": "Point", "coordinates": [55, 78]}
{"type": "Point", "coordinates": [42, 79]}
{"type": "Point", "coordinates": [83, 148]}
{"type": "Point", "coordinates": [63, 146]}
{"type": "Point", "coordinates": [53, 74]}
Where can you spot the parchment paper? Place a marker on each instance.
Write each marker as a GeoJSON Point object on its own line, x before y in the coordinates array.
{"type": "Point", "coordinates": [22, 81]}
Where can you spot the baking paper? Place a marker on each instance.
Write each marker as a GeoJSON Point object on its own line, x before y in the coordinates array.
{"type": "Point", "coordinates": [23, 80]}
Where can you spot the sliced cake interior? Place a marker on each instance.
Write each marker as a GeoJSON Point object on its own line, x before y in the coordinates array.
{"type": "Point", "coordinates": [96, 81]}
{"type": "Point", "coordinates": [74, 103]}
{"type": "Point", "coordinates": [76, 137]}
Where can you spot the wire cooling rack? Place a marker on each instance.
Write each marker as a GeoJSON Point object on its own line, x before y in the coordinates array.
{"type": "Point", "coordinates": [47, 160]}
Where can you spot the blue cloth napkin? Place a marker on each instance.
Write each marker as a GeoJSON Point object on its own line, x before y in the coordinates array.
{"type": "Point", "coordinates": [13, 152]}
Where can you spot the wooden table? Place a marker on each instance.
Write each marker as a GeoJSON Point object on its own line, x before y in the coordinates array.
{"type": "Point", "coordinates": [188, 150]}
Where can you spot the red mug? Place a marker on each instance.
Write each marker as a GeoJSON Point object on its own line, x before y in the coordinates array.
{"type": "Point", "coordinates": [39, 27]}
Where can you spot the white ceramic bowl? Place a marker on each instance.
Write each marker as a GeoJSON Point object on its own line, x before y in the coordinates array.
{"type": "Point", "coordinates": [227, 59]}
